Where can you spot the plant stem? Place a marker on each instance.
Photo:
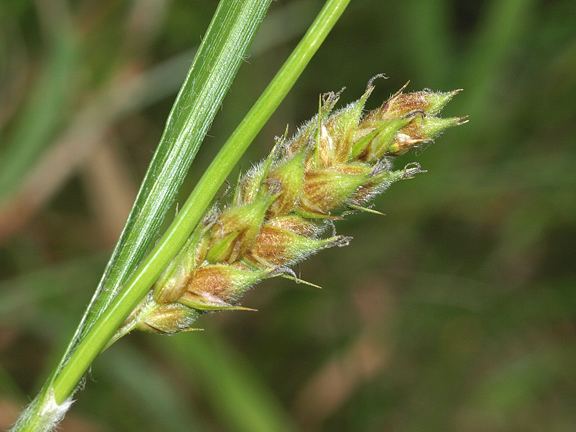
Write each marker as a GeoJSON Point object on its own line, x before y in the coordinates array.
{"type": "Point", "coordinates": [63, 383]}
{"type": "Point", "coordinates": [211, 74]}
{"type": "Point", "coordinates": [215, 65]}
{"type": "Point", "coordinates": [197, 203]}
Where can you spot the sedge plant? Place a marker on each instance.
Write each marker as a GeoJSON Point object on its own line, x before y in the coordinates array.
{"type": "Point", "coordinates": [281, 211]}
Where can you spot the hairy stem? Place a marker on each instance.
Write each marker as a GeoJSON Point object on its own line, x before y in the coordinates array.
{"type": "Point", "coordinates": [63, 383]}
{"type": "Point", "coordinates": [197, 203]}
{"type": "Point", "coordinates": [218, 59]}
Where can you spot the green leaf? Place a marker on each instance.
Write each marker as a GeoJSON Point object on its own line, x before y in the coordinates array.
{"type": "Point", "coordinates": [39, 118]}
{"type": "Point", "coordinates": [112, 305]}
{"type": "Point", "coordinates": [214, 67]}
{"type": "Point", "coordinates": [106, 324]}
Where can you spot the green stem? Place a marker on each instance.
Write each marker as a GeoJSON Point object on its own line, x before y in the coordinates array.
{"type": "Point", "coordinates": [197, 203]}
{"type": "Point", "coordinates": [97, 337]}
{"type": "Point", "coordinates": [215, 65]}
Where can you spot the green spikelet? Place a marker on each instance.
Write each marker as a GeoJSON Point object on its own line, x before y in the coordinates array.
{"type": "Point", "coordinates": [335, 164]}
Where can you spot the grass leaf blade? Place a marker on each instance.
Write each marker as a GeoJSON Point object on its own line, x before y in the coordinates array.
{"type": "Point", "coordinates": [214, 67]}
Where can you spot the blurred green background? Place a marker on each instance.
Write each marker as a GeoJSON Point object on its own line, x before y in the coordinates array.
{"type": "Point", "coordinates": [454, 312]}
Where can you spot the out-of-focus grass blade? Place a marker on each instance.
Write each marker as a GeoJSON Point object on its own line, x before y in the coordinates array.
{"type": "Point", "coordinates": [43, 111]}
{"type": "Point", "coordinates": [214, 67]}
{"type": "Point", "coordinates": [503, 25]}
{"type": "Point", "coordinates": [235, 392]}
{"type": "Point", "coordinates": [428, 39]}
{"type": "Point", "coordinates": [157, 398]}
{"type": "Point", "coordinates": [25, 294]}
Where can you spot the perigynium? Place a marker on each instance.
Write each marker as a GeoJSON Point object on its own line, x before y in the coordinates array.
{"type": "Point", "coordinates": [283, 210]}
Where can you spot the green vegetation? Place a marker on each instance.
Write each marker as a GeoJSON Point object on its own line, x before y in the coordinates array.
{"type": "Point", "coordinates": [455, 311]}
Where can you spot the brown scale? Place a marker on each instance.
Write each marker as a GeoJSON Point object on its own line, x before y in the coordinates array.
{"type": "Point", "coordinates": [317, 196]}
{"type": "Point", "coordinates": [320, 193]}
{"type": "Point", "coordinates": [405, 103]}
{"type": "Point", "coordinates": [296, 224]}
{"type": "Point", "coordinates": [271, 246]}
{"type": "Point", "coordinates": [211, 279]}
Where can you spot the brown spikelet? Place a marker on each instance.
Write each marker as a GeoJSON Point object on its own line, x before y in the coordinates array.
{"type": "Point", "coordinates": [335, 163]}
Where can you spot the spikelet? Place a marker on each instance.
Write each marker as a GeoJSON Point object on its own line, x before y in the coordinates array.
{"type": "Point", "coordinates": [280, 210]}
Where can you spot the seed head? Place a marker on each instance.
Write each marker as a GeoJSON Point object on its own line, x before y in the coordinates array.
{"type": "Point", "coordinates": [335, 164]}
